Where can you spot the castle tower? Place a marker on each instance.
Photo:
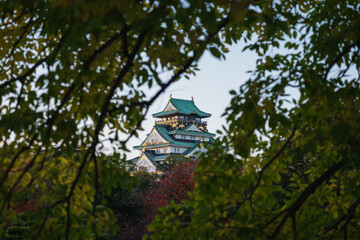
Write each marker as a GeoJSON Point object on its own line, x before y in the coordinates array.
{"type": "Point", "coordinates": [180, 129]}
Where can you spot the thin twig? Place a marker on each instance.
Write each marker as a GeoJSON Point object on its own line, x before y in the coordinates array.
{"type": "Point", "coordinates": [22, 77]}
{"type": "Point", "coordinates": [26, 168]}
{"type": "Point", "coordinates": [346, 216]}
{"type": "Point", "coordinates": [121, 33]}
{"type": "Point", "coordinates": [261, 173]}
{"type": "Point", "coordinates": [291, 211]}
{"type": "Point", "coordinates": [350, 215]}
{"type": "Point", "coordinates": [341, 55]}
{"type": "Point", "coordinates": [96, 186]}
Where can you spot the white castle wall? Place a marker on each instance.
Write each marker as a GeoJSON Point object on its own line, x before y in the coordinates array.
{"type": "Point", "coordinates": [178, 149]}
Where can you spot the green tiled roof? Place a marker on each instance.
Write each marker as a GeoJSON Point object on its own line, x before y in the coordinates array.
{"type": "Point", "coordinates": [185, 144]}
{"type": "Point", "coordinates": [161, 129]}
{"type": "Point", "coordinates": [191, 149]}
{"type": "Point", "coordinates": [205, 134]}
{"type": "Point", "coordinates": [151, 157]}
{"type": "Point", "coordinates": [151, 145]}
{"type": "Point", "coordinates": [160, 157]}
{"type": "Point", "coordinates": [164, 133]}
{"type": "Point", "coordinates": [184, 107]}
{"type": "Point", "coordinates": [165, 113]}
{"type": "Point", "coordinates": [178, 143]}
{"type": "Point", "coordinates": [133, 159]}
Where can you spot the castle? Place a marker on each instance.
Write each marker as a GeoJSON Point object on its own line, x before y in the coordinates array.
{"type": "Point", "coordinates": [179, 130]}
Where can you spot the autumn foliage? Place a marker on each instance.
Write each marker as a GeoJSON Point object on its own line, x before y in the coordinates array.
{"type": "Point", "coordinates": [174, 185]}
{"type": "Point", "coordinates": [21, 207]}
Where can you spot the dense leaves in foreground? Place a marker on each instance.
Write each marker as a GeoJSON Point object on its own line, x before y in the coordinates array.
{"type": "Point", "coordinates": [134, 204]}
{"type": "Point", "coordinates": [136, 209]}
{"type": "Point", "coordinates": [75, 75]}
{"type": "Point", "coordinates": [293, 128]}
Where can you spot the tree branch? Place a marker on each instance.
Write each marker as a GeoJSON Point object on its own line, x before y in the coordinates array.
{"type": "Point", "coordinates": [290, 212]}
{"type": "Point", "coordinates": [21, 36]}
{"type": "Point", "coordinates": [15, 19]}
{"type": "Point", "coordinates": [96, 186]}
{"type": "Point", "coordinates": [13, 160]}
{"type": "Point", "coordinates": [26, 168]}
{"type": "Point", "coordinates": [51, 120]}
{"type": "Point", "coordinates": [346, 217]}
{"type": "Point", "coordinates": [349, 216]}
{"type": "Point", "coordinates": [22, 77]}
{"type": "Point", "coordinates": [261, 173]}
{"type": "Point", "coordinates": [104, 110]}
{"type": "Point", "coordinates": [99, 124]}
{"type": "Point", "coordinates": [121, 33]}
{"type": "Point", "coordinates": [341, 55]}
{"type": "Point", "coordinates": [184, 68]}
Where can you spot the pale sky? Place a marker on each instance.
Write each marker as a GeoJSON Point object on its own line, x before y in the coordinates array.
{"type": "Point", "coordinates": [210, 89]}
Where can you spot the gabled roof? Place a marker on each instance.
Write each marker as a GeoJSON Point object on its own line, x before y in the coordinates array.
{"type": "Point", "coordinates": [151, 155]}
{"type": "Point", "coordinates": [188, 151]}
{"type": "Point", "coordinates": [161, 157]}
{"type": "Point", "coordinates": [162, 130]}
{"type": "Point", "coordinates": [182, 106]}
{"type": "Point", "coordinates": [189, 126]}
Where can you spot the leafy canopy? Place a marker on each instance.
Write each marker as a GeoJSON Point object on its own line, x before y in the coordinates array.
{"type": "Point", "coordinates": [74, 74]}
{"type": "Point", "coordinates": [293, 132]}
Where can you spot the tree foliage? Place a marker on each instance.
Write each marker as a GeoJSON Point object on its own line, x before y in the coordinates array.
{"type": "Point", "coordinates": [74, 74]}
{"type": "Point", "coordinates": [293, 129]}
{"type": "Point", "coordinates": [136, 209]}
{"type": "Point", "coordinates": [173, 160]}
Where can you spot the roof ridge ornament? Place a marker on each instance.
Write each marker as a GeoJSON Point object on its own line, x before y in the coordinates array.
{"type": "Point", "coordinates": [170, 96]}
{"type": "Point", "coordinates": [192, 98]}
